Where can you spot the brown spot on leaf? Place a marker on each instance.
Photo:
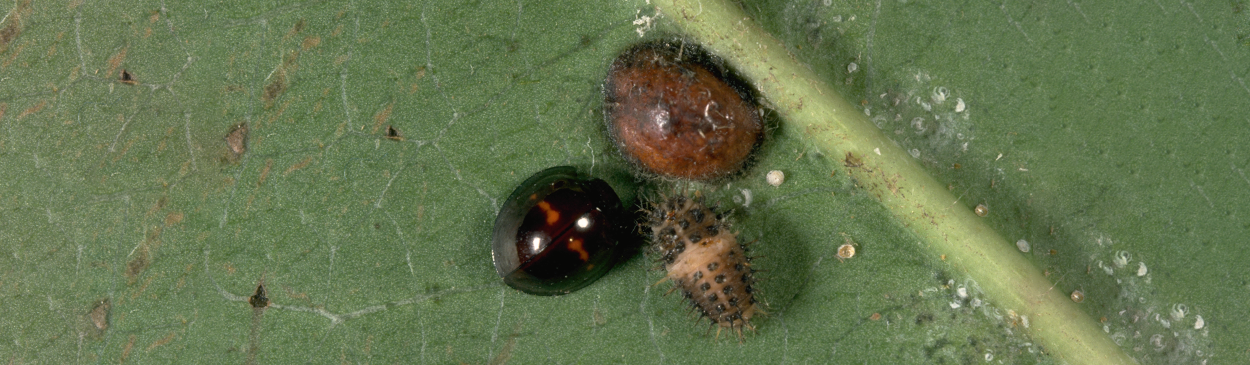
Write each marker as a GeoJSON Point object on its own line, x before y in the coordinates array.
{"type": "Point", "coordinates": [33, 109]}
{"type": "Point", "coordinates": [115, 61]}
{"type": "Point", "coordinates": [236, 141]}
{"type": "Point", "coordinates": [140, 262]}
{"type": "Point", "coordinates": [173, 218]}
{"type": "Point", "coordinates": [163, 341]}
{"type": "Point", "coordinates": [10, 32]}
{"type": "Point", "coordinates": [275, 87]}
{"type": "Point", "coordinates": [264, 172]}
{"type": "Point", "coordinates": [260, 299]}
{"type": "Point", "coordinates": [13, 27]}
{"type": "Point", "coordinates": [852, 161]}
{"type": "Point", "coordinates": [299, 27]}
{"type": "Point", "coordinates": [392, 133]}
{"type": "Point", "coordinates": [99, 314]}
{"type": "Point", "coordinates": [310, 42]}
{"type": "Point", "coordinates": [382, 115]}
{"type": "Point", "coordinates": [130, 345]}
{"type": "Point", "coordinates": [300, 165]}
{"type": "Point", "coordinates": [127, 78]}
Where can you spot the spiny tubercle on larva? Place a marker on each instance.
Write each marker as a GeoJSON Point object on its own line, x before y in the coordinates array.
{"type": "Point", "coordinates": [704, 260]}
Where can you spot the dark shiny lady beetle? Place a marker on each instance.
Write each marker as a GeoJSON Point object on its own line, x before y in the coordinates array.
{"type": "Point", "coordinates": [557, 232]}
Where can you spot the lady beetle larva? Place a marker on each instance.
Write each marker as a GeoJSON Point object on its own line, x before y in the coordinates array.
{"type": "Point", "coordinates": [704, 261]}
{"type": "Point", "coordinates": [557, 232]}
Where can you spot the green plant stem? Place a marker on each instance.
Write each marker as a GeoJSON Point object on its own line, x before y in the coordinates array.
{"type": "Point", "coordinates": [946, 226]}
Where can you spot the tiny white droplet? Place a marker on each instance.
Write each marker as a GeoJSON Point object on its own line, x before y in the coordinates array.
{"type": "Point", "coordinates": [775, 177]}
{"type": "Point", "coordinates": [852, 67]}
{"type": "Point", "coordinates": [1022, 245]}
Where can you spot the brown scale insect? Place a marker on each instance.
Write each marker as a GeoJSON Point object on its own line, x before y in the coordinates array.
{"type": "Point", "coordinates": [704, 260]}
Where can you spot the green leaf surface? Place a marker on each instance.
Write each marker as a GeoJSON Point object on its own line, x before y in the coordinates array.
{"type": "Point", "coordinates": [1109, 136]}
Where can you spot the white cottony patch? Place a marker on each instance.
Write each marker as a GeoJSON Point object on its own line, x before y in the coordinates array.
{"type": "Point", "coordinates": [1141, 269]}
{"type": "Point", "coordinates": [877, 150]}
{"type": "Point", "coordinates": [915, 153]}
{"type": "Point", "coordinates": [1198, 322]}
{"type": "Point", "coordinates": [959, 105]}
{"type": "Point", "coordinates": [852, 67]}
{"type": "Point", "coordinates": [746, 197]}
{"type": "Point", "coordinates": [643, 22]}
{"type": "Point", "coordinates": [962, 292]}
{"type": "Point", "coordinates": [955, 305]}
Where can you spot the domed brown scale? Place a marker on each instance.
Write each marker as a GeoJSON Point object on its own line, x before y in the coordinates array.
{"type": "Point", "coordinates": [673, 111]}
{"type": "Point", "coordinates": [558, 232]}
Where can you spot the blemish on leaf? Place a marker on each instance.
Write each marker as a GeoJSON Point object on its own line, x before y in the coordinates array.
{"type": "Point", "coordinates": [13, 27]}
{"type": "Point", "coordinates": [382, 116]}
{"type": "Point", "coordinates": [393, 134]}
{"type": "Point", "coordinates": [140, 262]}
{"type": "Point", "coordinates": [173, 218]}
{"type": "Point", "coordinates": [236, 141]}
{"type": "Point", "coordinates": [264, 172]}
{"type": "Point", "coordinates": [275, 87]}
{"type": "Point", "coordinates": [852, 161]}
{"type": "Point", "coordinates": [300, 165]}
{"type": "Point", "coordinates": [116, 60]}
{"type": "Point", "coordinates": [259, 299]}
{"type": "Point", "coordinates": [299, 27]}
{"type": "Point", "coordinates": [99, 315]}
{"type": "Point", "coordinates": [310, 42]}
{"type": "Point", "coordinates": [32, 110]}
{"type": "Point", "coordinates": [127, 78]}
{"type": "Point", "coordinates": [163, 341]}
{"type": "Point", "coordinates": [130, 345]}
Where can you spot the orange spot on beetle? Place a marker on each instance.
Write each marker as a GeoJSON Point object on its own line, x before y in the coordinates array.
{"type": "Point", "coordinates": [553, 215]}
{"type": "Point", "coordinates": [576, 245]}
